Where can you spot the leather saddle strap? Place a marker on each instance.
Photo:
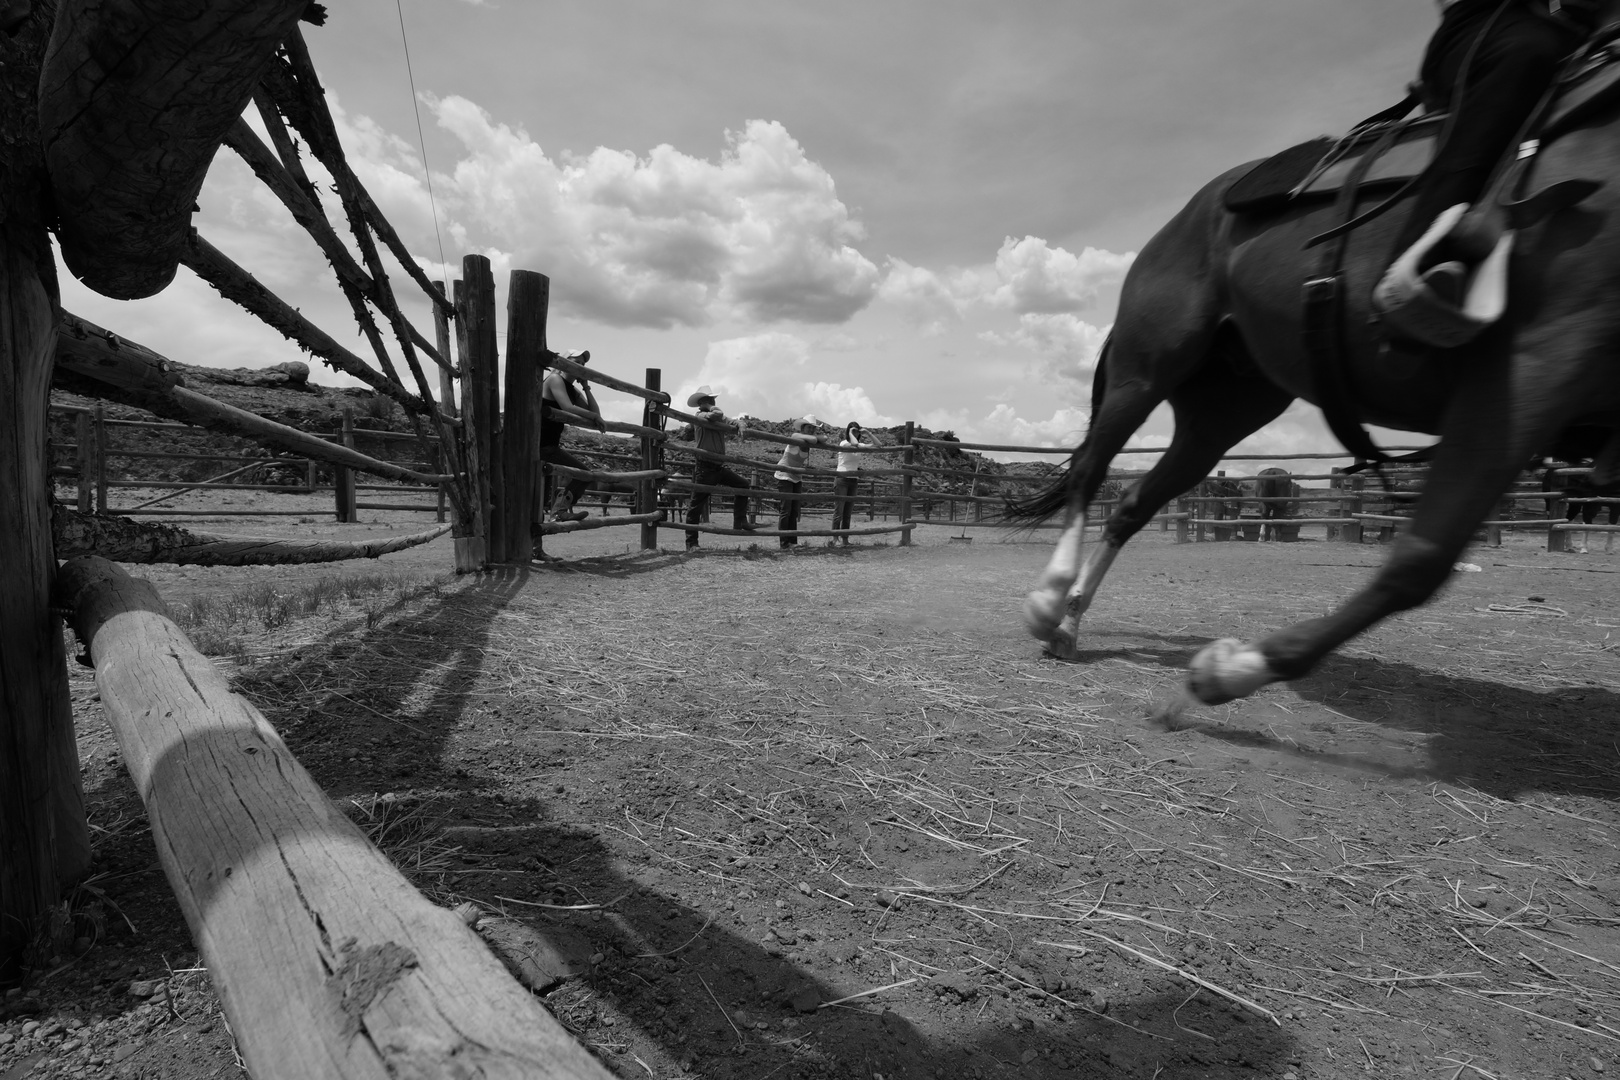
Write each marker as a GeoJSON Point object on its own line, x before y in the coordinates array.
{"type": "Point", "coordinates": [1324, 319]}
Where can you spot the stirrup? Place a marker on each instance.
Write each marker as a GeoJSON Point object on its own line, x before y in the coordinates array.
{"type": "Point", "coordinates": [1408, 305]}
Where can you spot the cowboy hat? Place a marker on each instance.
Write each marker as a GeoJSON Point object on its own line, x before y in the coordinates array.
{"type": "Point", "coordinates": [806, 422]}
{"type": "Point", "coordinates": [578, 356]}
{"type": "Point", "coordinates": [698, 395]}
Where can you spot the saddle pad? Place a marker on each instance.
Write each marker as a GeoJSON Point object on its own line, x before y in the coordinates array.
{"type": "Point", "coordinates": [1267, 187]}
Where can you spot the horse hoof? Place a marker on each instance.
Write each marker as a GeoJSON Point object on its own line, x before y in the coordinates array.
{"type": "Point", "coordinates": [1064, 642]}
{"type": "Point", "coordinates": [1226, 670]}
{"type": "Point", "coordinates": [1043, 613]}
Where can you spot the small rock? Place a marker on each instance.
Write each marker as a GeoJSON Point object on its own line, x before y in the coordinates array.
{"type": "Point", "coordinates": [1290, 1076]}
{"type": "Point", "coordinates": [124, 1053]}
{"type": "Point", "coordinates": [806, 1000]}
{"type": "Point", "coordinates": [6, 1037]}
{"type": "Point", "coordinates": [1596, 1063]}
{"type": "Point", "coordinates": [1099, 1003]}
{"type": "Point", "coordinates": [1029, 1055]}
{"type": "Point", "coordinates": [887, 899]}
{"type": "Point", "coordinates": [144, 988]}
{"type": "Point", "coordinates": [70, 1046]}
{"type": "Point", "coordinates": [30, 1027]}
{"type": "Point", "coordinates": [597, 958]}
{"type": "Point", "coordinates": [804, 888]}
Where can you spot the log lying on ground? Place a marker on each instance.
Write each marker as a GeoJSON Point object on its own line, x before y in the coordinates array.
{"type": "Point", "coordinates": [133, 102]}
{"type": "Point", "coordinates": [93, 362]}
{"type": "Point", "coordinates": [328, 962]}
{"type": "Point", "coordinates": [124, 540]}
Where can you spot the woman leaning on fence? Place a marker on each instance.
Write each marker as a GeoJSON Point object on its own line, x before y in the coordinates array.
{"type": "Point", "coordinates": [790, 476]}
{"type": "Point", "coordinates": [849, 475]}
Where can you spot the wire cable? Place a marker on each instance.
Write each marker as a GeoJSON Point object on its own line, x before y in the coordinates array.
{"type": "Point", "coordinates": [421, 141]}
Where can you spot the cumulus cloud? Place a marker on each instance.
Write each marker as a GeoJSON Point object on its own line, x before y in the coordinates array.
{"type": "Point", "coordinates": [656, 240]}
{"type": "Point", "coordinates": [1028, 277]}
{"type": "Point", "coordinates": [1033, 277]}
{"type": "Point", "coordinates": [772, 375]}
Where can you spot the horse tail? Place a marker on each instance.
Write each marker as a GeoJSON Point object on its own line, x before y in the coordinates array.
{"type": "Point", "coordinates": [1050, 500]}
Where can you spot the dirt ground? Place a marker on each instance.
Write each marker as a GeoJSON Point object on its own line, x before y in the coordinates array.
{"type": "Point", "coordinates": [831, 814]}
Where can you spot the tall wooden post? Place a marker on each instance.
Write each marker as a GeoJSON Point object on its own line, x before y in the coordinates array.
{"type": "Point", "coordinates": [44, 840]}
{"type": "Point", "coordinates": [652, 457]}
{"type": "Point", "coordinates": [1183, 508]}
{"type": "Point", "coordinates": [479, 359]}
{"type": "Point", "coordinates": [908, 459]}
{"type": "Point", "coordinates": [343, 477]}
{"type": "Point", "coordinates": [87, 462]}
{"type": "Point", "coordinates": [1351, 504]}
{"type": "Point", "coordinates": [527, 297]}
{"type": "Point", "coordinates": [441, 340]}
{"type": "Point", "coordinates": [98, 430]}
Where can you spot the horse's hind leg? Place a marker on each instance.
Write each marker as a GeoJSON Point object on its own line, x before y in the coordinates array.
{"type": "Point", "coordinates": [1213, 410]}
{"type": "Point", "coordinates": [1482, 449]}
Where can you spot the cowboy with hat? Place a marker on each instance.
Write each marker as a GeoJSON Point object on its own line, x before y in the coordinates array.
{"type": "Point", "coordinates": [710, 471]}
{"type": "Point", "coordinates": [563, 400]}
{"type": "Point", "coordinates": [790, 475]}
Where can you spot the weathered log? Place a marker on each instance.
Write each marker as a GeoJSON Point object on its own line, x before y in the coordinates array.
{"type": "Point", "coordinates": [552, 528]}
{"type": "Point", "coordinates": [329, 964]}
{"type": "Point", "coordinates": [125, 540]}
{"type": "Point", "coordinates": [133, 101]}
{"type": "Point", "coordinates": [528, 295]}
{"type": "Point", "coordinates": [284, 185]}
{"type": "Point", "coordinates": [240, 287]}
{"type": "Point", "coordinates": [480, 396]}
{"type": "Point", "coordinates": [44, 841]}
{"type": "Point", "coordinates": [296, 88]}
{"type": "Point", "coordinates": [130, 373]}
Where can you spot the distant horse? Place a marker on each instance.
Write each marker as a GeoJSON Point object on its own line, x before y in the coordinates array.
{"type": "Point", "coordinates": [1271, 486]}
{"type": "Point", "coordinates": [1211, 320]}
{"type": "Point", "coordinates": [1580, 487]}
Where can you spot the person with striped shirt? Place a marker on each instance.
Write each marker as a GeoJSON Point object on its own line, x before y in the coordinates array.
{"type": "Point", "coordinates": [790, 476]}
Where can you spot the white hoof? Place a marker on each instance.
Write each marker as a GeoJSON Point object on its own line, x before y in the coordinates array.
{"type": "Point", "coordinates": [1226, 670]}
{"type": "Point", "coordinates": [1064, 642]}
{"type": "Point", "coordinates": [1043, 612]}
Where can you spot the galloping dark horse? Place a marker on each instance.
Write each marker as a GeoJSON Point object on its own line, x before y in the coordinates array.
{"type": "Point", "coordinates": [1210, 319]}
{"type": "Point", "coordinates": [1276, 489]}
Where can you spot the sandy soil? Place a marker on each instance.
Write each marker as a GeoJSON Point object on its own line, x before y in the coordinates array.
{"type": "Point", "coordinates": [855, 825]}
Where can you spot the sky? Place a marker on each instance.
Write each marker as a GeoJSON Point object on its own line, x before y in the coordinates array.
{"type": "Point", "coordinates": [904, 210]}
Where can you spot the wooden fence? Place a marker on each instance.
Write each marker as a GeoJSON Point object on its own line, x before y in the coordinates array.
{"type": "Point", "coordinates": [86, 465]}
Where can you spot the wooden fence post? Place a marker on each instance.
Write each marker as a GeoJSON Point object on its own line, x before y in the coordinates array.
{"type": "Point", "coordinates": [441, 340]}
{"type": "Point", "coordinates": [475, 343]}
{"type": "Point", "coordinates": [1351, 534]}
{"type": "Point", "coordinates": [87, 462]}
{"type": "Point", "coordinates": [1183, 532]}
{"type": "Point", "coordinates": [907, 459]}
{"type": "Point", "coordinates": [343, 485]}
{"type": "Point", "coordinates": [1558, 511]}
{"type": "Point", "coordinates": [99, 438]}
{"type": "Point", "coordinates": [652, 457]}
{"type": "Point", "coordinates": [311, 479]}
{"type": "Point", "coordinates": [527, 296]}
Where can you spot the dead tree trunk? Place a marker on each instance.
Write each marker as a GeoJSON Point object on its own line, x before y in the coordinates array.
{"type": "Point", "coordinates": [44, 842]}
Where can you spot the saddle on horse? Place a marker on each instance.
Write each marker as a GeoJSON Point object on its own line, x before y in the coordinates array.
{"type": "Point", "coordinates": [1388, 154]}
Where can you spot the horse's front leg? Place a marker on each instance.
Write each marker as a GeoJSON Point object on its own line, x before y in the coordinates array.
{"type": "Point", "coordinates": [1469, 476]}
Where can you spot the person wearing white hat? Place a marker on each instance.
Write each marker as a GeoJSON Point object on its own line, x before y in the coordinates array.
{"type": "Point", "coordinates": [710, 471]}
{"type": "Point", "coordinates": [790, 475]}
